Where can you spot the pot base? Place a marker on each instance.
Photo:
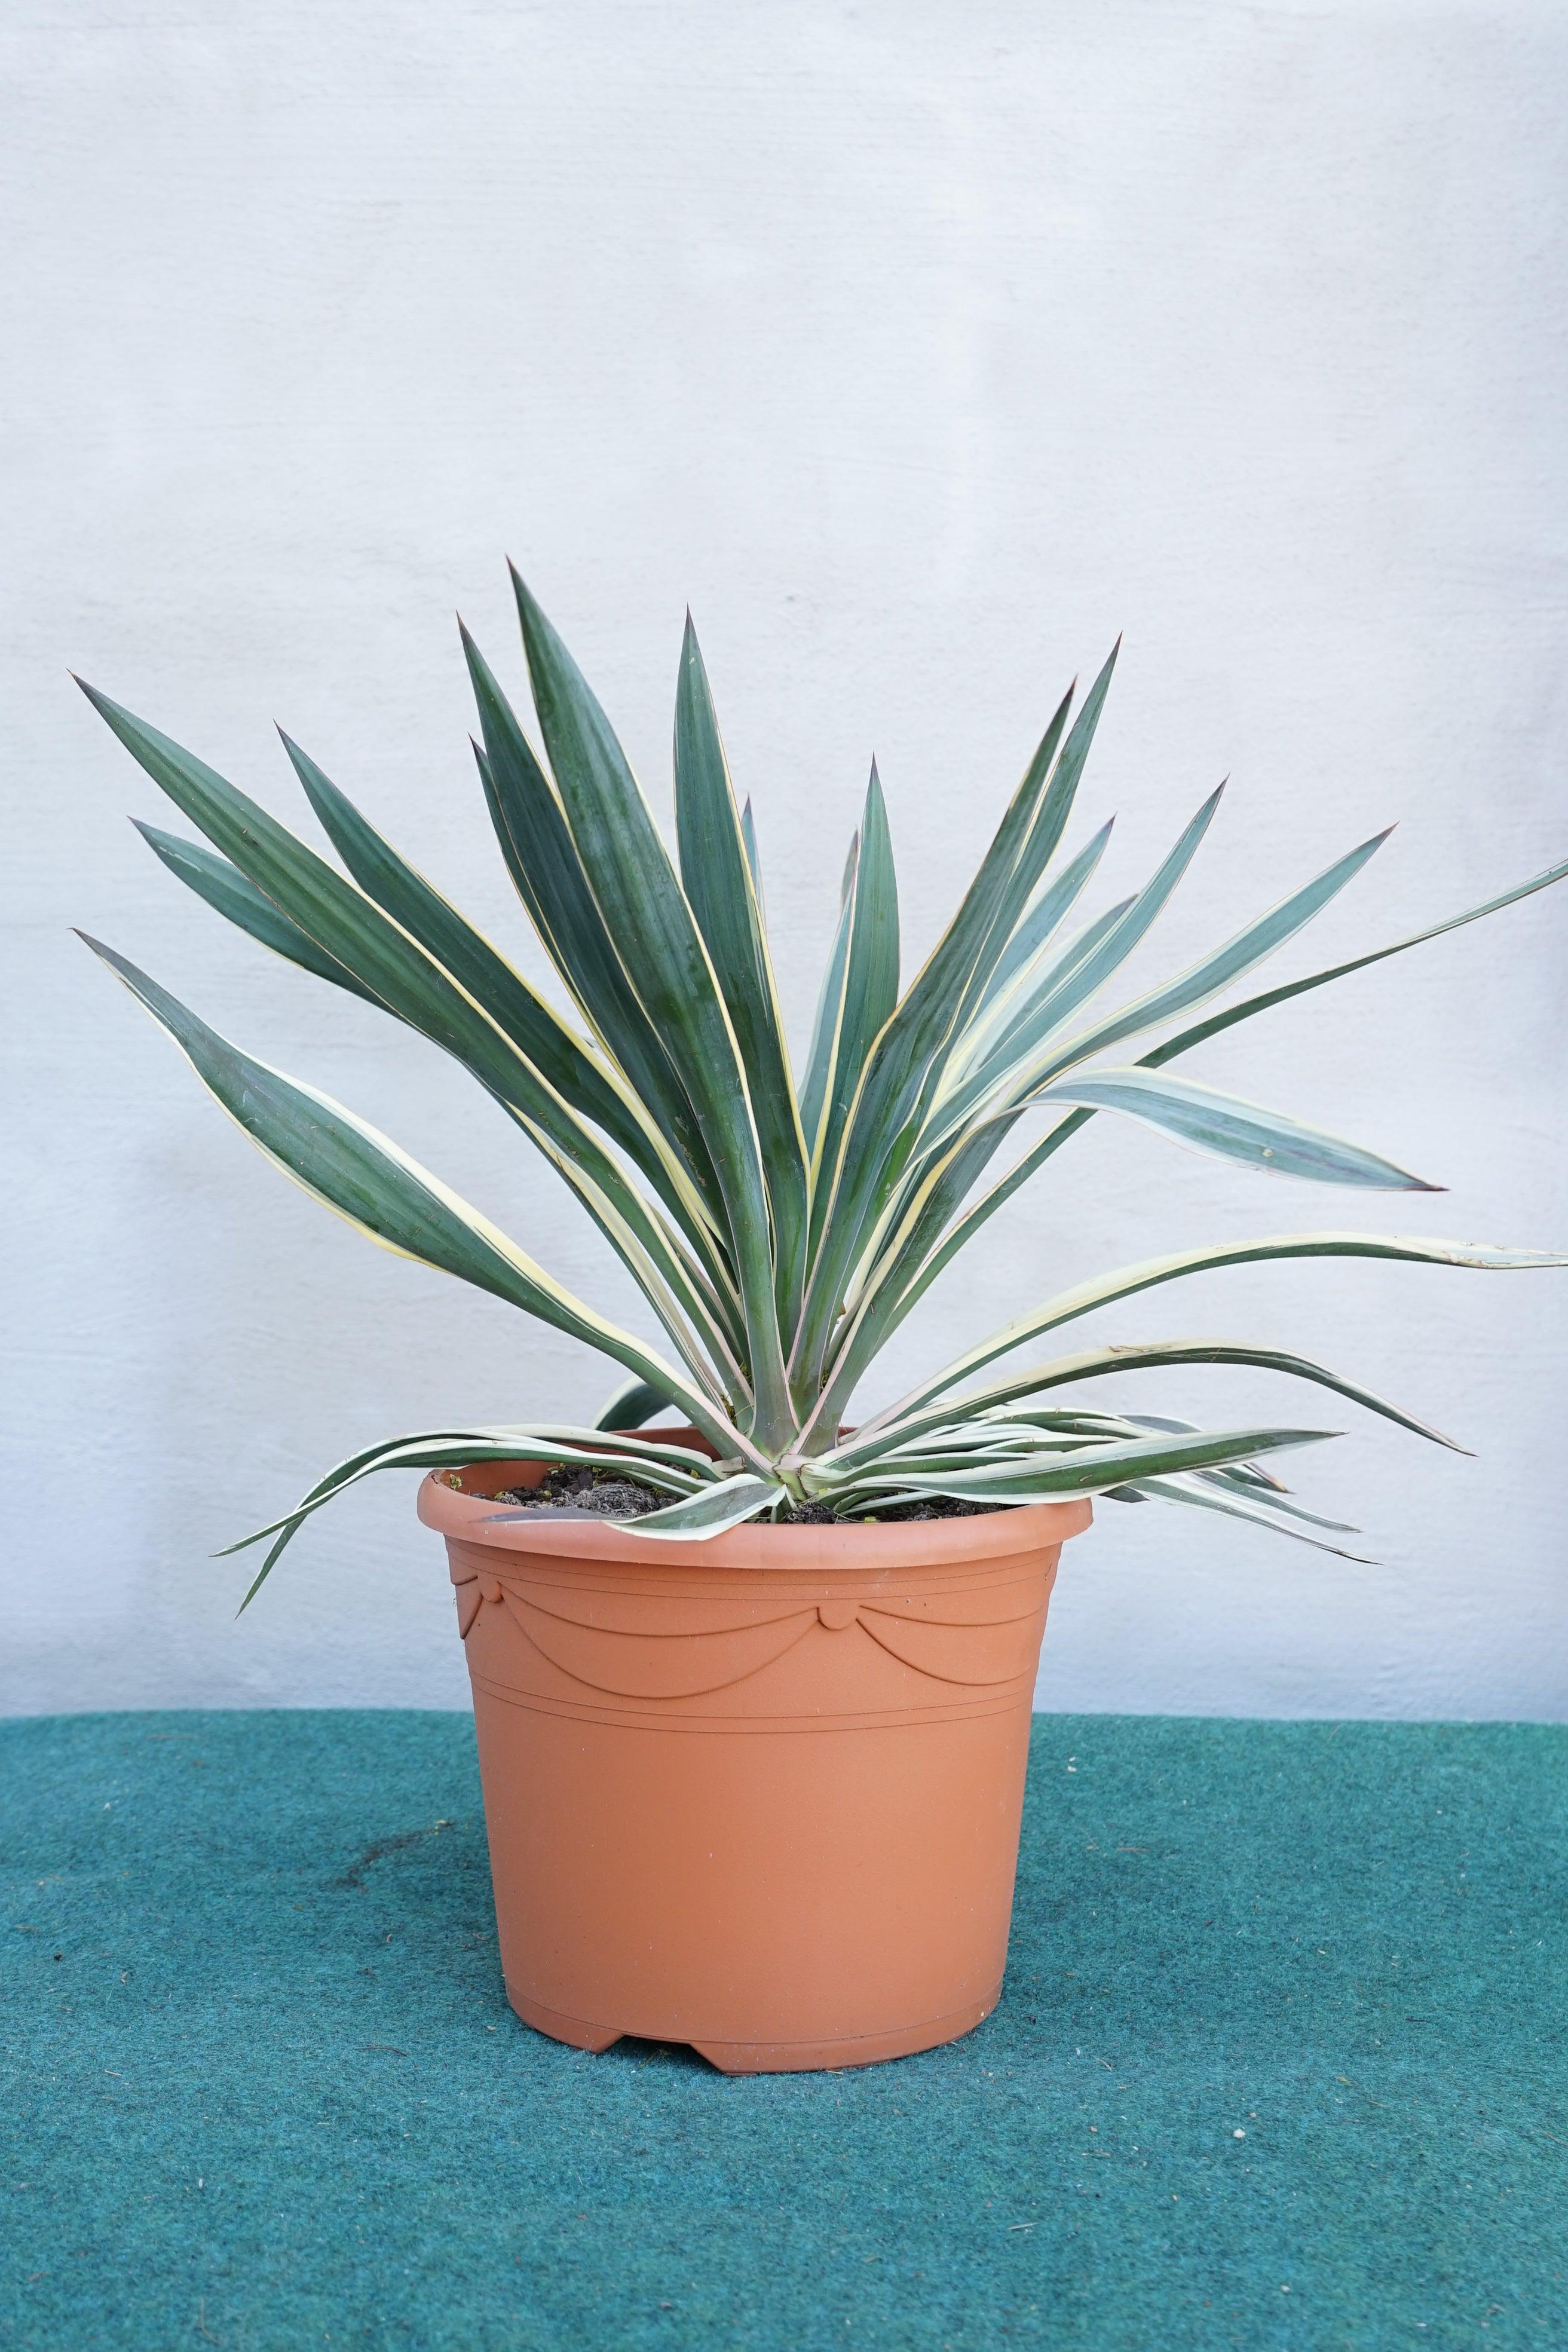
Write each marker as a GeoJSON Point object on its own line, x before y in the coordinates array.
{"type": "Point", "coordinates": [773, 2057]}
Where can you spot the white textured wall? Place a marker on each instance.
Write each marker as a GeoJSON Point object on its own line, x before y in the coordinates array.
{"type": "Point", "coordinates": [921, 348]}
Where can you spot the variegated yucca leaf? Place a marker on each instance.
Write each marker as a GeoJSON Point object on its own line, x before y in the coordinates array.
{"type": "Point", "coordinates": [727, 1503]}
{"type": "Point", "coordinates": [780, 1228]}
{"type": "Point", "coordinates": [1053, 1467]}
{"type": "Point", "coordinates": [675, 1470]}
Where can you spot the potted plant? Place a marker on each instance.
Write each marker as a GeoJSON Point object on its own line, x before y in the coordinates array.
{"type": "Point", "coordinates": [752, 1692]}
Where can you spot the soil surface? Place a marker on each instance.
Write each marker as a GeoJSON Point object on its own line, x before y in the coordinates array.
{"type": "Point", "coordinates": [570, 1486]}
{"type": "Point", "coordinates": [573, 1487]}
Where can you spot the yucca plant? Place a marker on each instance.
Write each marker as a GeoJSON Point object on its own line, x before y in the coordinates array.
{"type": "Point", "coordinates": [780, 1231]}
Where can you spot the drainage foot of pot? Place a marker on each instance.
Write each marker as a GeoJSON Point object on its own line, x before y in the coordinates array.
{"type": "Point", "coordinates": [576, 2031]}
{"type": "Point", "coordinates": [854, 2050]}
{"type": "Point", "coordinates": [768, 2057]}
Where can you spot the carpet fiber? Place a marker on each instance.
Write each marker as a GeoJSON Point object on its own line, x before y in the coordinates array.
{"type": "Point", "coordinates": [1280, 2063]}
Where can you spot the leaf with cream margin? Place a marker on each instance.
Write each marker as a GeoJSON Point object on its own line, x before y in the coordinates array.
{"type": "Point", "coordinates": [375, 1186]}
{"type": "Point", "coordinates": [1107, 1289]}
{"type": "Point", "coordinates": [664, 956]}
{"type": "Point", "coordinates": [1232, 1129]}
{"type": "Point", "coordinates": [730, 1503]}
{"type": "Point", "coordinates": [1076, 1467]}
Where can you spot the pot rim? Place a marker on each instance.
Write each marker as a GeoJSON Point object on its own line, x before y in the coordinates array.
{"type": "Point", "coordinates": [976, 1537]}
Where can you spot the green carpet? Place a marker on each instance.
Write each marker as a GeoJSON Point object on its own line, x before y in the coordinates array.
{"type": "Point", "coordinates": [263, 2090]}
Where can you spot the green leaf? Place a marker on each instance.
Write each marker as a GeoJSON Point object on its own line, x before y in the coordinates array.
{"type": "Point", "coordinates": [749, 842]}
{"type": "Point", "coordinates": [981, 1405]}
{"type": "Point", "coordinates": [458, 1449]}
{"type": "Point", "coordinates": [716, 879]}
{"type": "Point", "coordinates": [223, 885]}
{"type": "Point", "coordinates": [976, 1081]}
{"type": "Point", "coordinates": [1055, 1004]}
{"type": "Point", "coordinates": [870, 991]}
{"type": "Point", "coordinates": [1040, 925]}
{"type": "Point", "coordinates": [646, 914]}
{"type": "Point", "coordinates": [543, 860]}
{"type": "Point", "coordinates": [1240, 1506]}
{"type": "Point", "coordinates": [906, 1060]}
{"type": "Point", "coordinates": [1239, 1478]}
{"type": "Point", "coordinates": [930, 1270]}
{"type": "Point", "coordinates": [1048, 789]}
{"type": "Point", "coordinates": [1088, 1467]}
{"type": "Point", "coordinates": [898, 1269]}
{"type": "Point", "coordinates": [634, 1402]}
{"type": "Point", "coordinates": [1234, 1013]}
{"type": "Point", "coordinates": [1233, 1129]}
{"type": "Point", "coordinates": [349, 925]}
{"type": "Point", "coordinates": [729, 1503]}
{"type": "Point", "coordinates": [825, 1028]}
{"type": "Point", "coordinates": [537, 1032]}
{"type": "Point", "coordinates": [1106, 1290]}
{"type": "Point", "coordinates": [1249, 947]}
{"type": "Point", "coordinates": [365, 1177]}
{"type": "Point", "coordinates": [677, 1467]}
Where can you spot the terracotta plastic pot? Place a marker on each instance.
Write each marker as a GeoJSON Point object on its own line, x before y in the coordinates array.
{"type": "Point", "coordinates": [762, 1794]}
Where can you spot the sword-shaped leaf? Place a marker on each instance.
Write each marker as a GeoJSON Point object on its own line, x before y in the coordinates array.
{"type": "Point", "coordinates": [1251, 946]}
{"type": "Point", "coordinates": [1088, 1467]}
{"type": "Point", "coordinates": [905, 1063]}
{"type": "Point", "coordinates": [662, 951]}
{"type": "Point", "coordinates": [728, 1504]}
{"type": "Point", "coordinates": [869, 993]}
{"type": "Point", "coordinates": [1108, 1289]}
{"type": "Point", "coordinates": [630, 1405]}
{"type": "Point", "coordinates": [748, 843]}
{"type": "Point", "coordinates": [1034, 1159]}
{"type": "Point", "coordinates": [1052, 1006]}
{"type": "Point", "coordinates": [676, 1467]}
{"type": "Point", "coordinates": [1233, 1129]}
{"type": "Point", "coordinates": [1095, 1363]}
{"type": "Point", "coordinates": [533, 1027]}
{"type": "Point", "coordinates": [386, 959]}
{"type": "Point", "coordinates": [223, 885]}
{"type": "Point", "coordinates": [1243, 1478]}
{"type": "Point", "coordinates": [906, 1265]}
{"type": "Point", "coordinates": [965, 1113]}
{"type": "Point", "coordinates": [1234, 1013]}
{"type": "Point", "coordinates": [1207, 1497]}
{"type": "Point", "coordinates": [825, 1028]}
{"type": "Point", "coordinates": [1051, 785]}
{"type": "Point", "coordinates": [542, 858]}
{"type": "Point", "coordinates": [979, 1407]}
{"type": "Point", "coordinates": [716, 876]}
{"type": "Point", "coordinates": [458, 1449]}
{"type": "Point", "coordinates": [375, 1186]}
{"type": "Point", "coordinates": [1020, 967]}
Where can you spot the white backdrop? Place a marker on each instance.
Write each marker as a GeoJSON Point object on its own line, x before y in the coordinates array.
{"type": "Point", "coordinates": [921, 348]}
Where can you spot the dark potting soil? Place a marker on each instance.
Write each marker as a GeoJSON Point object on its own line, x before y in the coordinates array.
{"type": "Point", "coordinates": [935, 1506]}
{"type": "Point", "coordinates": [572, 1487]}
